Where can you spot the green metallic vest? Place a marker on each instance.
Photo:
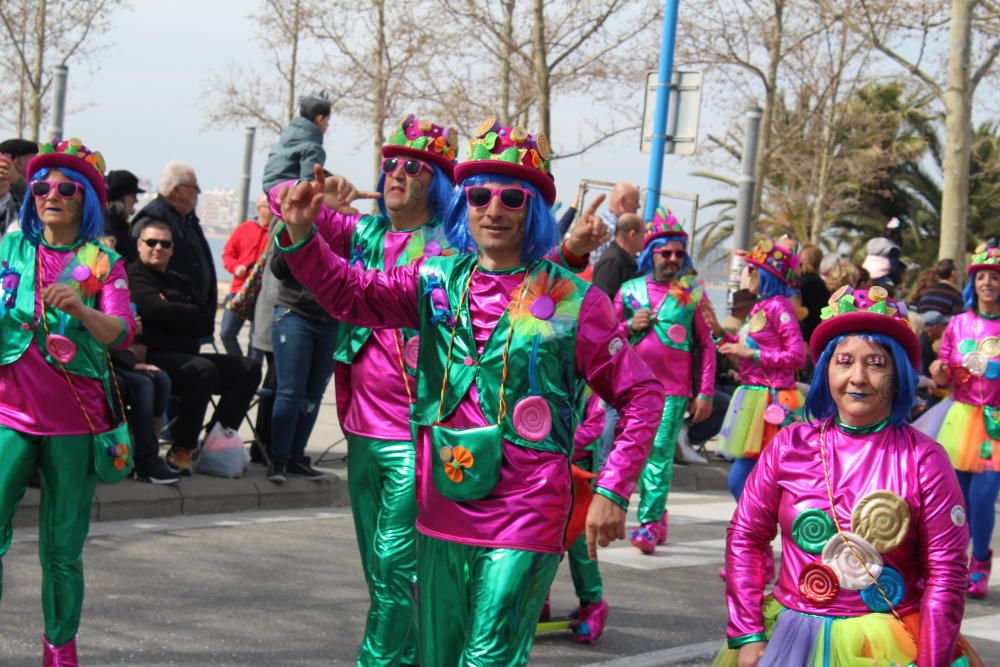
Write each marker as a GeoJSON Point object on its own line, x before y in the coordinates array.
{"type": "Point", "coordinates": [541, 359]}
{"type": "Point", "coordinates": [18, 326]}
{"type": "Point", "coordinates": [367, 252]}
{"type": "Point", "coordinates": [678, 307]}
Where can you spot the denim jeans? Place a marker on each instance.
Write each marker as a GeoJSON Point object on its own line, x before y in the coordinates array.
{"type": "Point", "coordinates": [303, 359]}
{"type": "Point", "coordinates": [231, 325]}
{"type": "Point", "coordinates": [147, 397]}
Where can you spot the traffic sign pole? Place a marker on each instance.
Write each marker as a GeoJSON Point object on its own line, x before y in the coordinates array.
{"type": "Point", "coordinates": [662, 103]}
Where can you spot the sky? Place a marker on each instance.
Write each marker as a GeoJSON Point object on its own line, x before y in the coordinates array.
{"type": "Point", "coordinates": [143, 101]}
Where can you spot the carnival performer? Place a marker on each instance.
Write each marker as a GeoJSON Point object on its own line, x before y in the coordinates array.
{"type": "Point", "coordinates": [666, 302]}
{"type": "Point", "coordinates": [769, 351]}
{"type": "Point", "coordinates": [968, 424]}
{"type": "Point", "coordinates": [507, 340]}
{"type": "Point", "coordinates": [872, 519]}
{"type": "Point", "coordinates": [64, 301]}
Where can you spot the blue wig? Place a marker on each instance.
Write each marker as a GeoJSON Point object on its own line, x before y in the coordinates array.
{"type": "Point", "coordinates": [438, 196]}
{"type": "Point", "coordinates": [92, 224]}
{"type": "Point", "coordinates": [540, 231]}
{"type": "Point", "coordinates": [819, 402]}
{"type": "Point", "coordinates": [646, 256]}
{"type": "Point", "coordinates": [769, 285]}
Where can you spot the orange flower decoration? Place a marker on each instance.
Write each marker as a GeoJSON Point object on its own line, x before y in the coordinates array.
{"type": "Point", "coordinates": [460, 458]}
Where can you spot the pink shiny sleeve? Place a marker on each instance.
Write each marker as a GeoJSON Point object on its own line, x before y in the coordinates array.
{"type": "Point", "coordinates": [335, 228]}
{"type": "Point", "coordinates": [375, 299]}
{"type": "Point", "coordinates": [619, 307]}
{"type": "Point", "coordinates": [792, 351]}
{"type": "Point", "coordinates": [590, 428]}
{"type": "Point", "coordinates": [948, 345]}
{"type": "Point", "coordinates": [703, 336]}
{"type": "Point", "coordinates": [116, 300]}
{"type": "Point", "coordinates": [618, 375]}
{"type": "Point", "coordinates": [945, 534]}
{"type": "Point", "coordinates": [751, 531]}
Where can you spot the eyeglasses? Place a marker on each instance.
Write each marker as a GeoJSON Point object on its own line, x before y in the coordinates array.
{"type": "Point", "coordinates": [411, 167]}
{"type": "Point", "coordinates": [678, 254]}
{"type": "Point", "coordinates": [189, 185]}
{"type": "Point", "coordinates": [512, 197]}
{"type": "Point", "coordinates": [152, 243]}
{"type": "Point", "coordinates": [65, 189]}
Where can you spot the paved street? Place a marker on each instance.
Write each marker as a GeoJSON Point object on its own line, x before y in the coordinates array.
{"type": "Point", "coordinates": [284, 589]}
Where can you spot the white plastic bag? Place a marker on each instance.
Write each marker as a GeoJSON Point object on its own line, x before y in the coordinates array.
{"type": "Point", "coordinates": [222, 454]}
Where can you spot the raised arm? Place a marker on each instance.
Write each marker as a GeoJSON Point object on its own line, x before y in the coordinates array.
{"type": "Point", "coordinates": [332, 226]}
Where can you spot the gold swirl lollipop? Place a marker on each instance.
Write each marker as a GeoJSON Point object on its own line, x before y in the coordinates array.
{"type": "Point", "coordinates": [841, 291]}
{"type": "Point", "coordinates": [990, 346]}
{"type": "Point", "coordinates": [543, 147]}
{"type": "Point", "coordinates": [878, 293]}
{"type": "Point", "coordinates": [485, 127]}
{"type": "Point", "coordinates": [883, 519]}
{"type": "Point", "coordinates": [758, 321]}
{"type": "Point", "coordinates": [853, 559]}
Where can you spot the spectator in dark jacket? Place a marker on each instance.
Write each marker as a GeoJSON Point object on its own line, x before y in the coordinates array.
{"type": "Point", "coordinates": [617, 263]}
{"type": "Point", "coordinates": [814, 293]}
{"type": "Point", "coordinates": [301, 144]}
{"type": "Point", "coordinates": [175, 318]}
{"type": "Point", "coordinates": [192, 257]}
{"type": "Point", "coordinates": [123, 186]}
{"type": "Point", "coordinates": [14, 157]}
{"type": "Point", "coordinates": [944, 297]}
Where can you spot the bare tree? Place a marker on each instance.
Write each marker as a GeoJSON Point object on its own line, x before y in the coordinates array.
{"type": "Point", "coordinates": [886, 24]}
{"type": "Point", "coordinates": [40, 34]}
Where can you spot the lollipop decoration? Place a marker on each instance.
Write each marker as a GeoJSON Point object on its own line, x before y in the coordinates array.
{"type": "Point", "coordinates": [853, 559]}
{"type": "Point", "coordinates": [818, 584]}
{"type": "Point", "coordinates": [882, 518]}
{"type": "Point", "coordinates": [891, 584]}
{"type": "Point", "coordinates": [812, 529]}
{"type": "Point", "coordinates": [532, 418]}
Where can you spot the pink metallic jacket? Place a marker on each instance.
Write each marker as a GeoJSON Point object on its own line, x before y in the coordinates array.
{"type": "Point", "coordinates": [961, 347]}
{"type": "Point", "coordinates": [789, 480]}
{"type": "Point", "coordinates": [782, 350]}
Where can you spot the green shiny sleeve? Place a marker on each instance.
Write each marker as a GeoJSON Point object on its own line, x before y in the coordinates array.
{"type": "Point", "coordinates": [736, 642]}
{"type": "Point", "coordinates": [295, 246]}
{"type": "Point", "coordinates": [613, 497]}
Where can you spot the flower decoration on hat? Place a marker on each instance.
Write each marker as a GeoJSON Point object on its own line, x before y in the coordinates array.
{"type": "Point", "coordinates": [423, 140]}
{"type": "Point", "coordinates": [509, 151]}
{"type": "Point", "coordinates": [985, 257]}
{"type": "Point", "coordinates": [779, 257]}
{"type": "Point", "coordinates": [858, 311]}
{"type": "Point", "coordinates": [664, 225]}
{"type": "Point", "coordinates": [72, 154]}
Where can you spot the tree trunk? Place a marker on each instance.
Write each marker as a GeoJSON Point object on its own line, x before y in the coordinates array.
{"type": "Point", "coordinates": [774, 55]}
{"type": "Point", "coordinates": [293, 65]}
{"type": "Point", "coordinates": [39, 71]}
{"type": "Point", "coordinates": [505, 64]}
{"type": "Point", "coordinates": [958, 135]}
{"type": "Point", "coordinates": [381, 87]}
{"type": "Point", "coordinates": [542, 69]}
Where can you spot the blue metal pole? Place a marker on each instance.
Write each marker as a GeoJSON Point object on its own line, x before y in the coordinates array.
{"type": "Point", "coordinates": [662, 102]}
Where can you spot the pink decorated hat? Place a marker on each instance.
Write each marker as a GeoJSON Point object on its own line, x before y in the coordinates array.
{"type": "Point", "coordinates": [779, 257]}
{"type": "Point", "coordinates": [72, 154]}
{"type": "Point", "coordinates": [985, 257]}
{"type": "Point", "coordinates": [509, 151]}
{"type": "Point", "coordinates": [871, 310]}
{"type": "Point", "coordinates": [664, 225]}
{"type": "Point", "coordinates": [423, 140]}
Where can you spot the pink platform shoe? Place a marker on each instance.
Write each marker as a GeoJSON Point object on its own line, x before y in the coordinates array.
{"type": "Point", "coordinates": [59, 656]}
{"type": "Point", "coordinates": [979, 576]}
{"type": "Point", "coordinates": [644, 538]}
{"type": "Point", "coordinates": [588, 622]}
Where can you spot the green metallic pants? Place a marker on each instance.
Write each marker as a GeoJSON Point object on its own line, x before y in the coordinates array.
{"type": "Point", "coordinates": [68, 479]}
{"type": "Point", "coordinates": [479, 606]}
{"type": "Point", "coordinates": [585, 572]}
{"type": "Point", "coordinates": [381, 482]}
{"type": "Point", "coordinates": [654, 483]}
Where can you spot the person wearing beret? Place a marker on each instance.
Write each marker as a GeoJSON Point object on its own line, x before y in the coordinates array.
{"type": "Point", "coordinates": [968, 423]}
{"type": "Point", "coordinates": [508, 339]}
{"type": "Point", "coordinates": [873, 524]}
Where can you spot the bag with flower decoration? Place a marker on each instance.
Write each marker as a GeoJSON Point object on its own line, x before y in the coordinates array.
{"type": "Point", "coordinates": [112, 452]}
{"type": "Point", "coordinates": [469, 465]}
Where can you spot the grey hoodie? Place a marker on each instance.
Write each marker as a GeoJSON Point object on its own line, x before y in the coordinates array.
{"type": "Point", "coordinates": [293, 157]}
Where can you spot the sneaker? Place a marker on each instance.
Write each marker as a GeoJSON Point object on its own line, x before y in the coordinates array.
{"type": "Point", "coordinates": [180, 459]}
{"type": "Point", "coordinates": [157, 472]}
{"type": "Point", "coordinates": [304, 469]}
{"type": "Point", "coordinates": [276, 472]}
{"type": "Point", "coordinates": [686, 452]}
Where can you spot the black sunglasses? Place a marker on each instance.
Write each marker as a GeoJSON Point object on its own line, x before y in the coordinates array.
{"type": "Point", "coordinates": [152, 243]}
{"type": "Point", "coordinates": [410, 167]}
{"type": "Point", "coordinates": [667, 254]}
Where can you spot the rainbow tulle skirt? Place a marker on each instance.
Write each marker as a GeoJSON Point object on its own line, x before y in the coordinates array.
{"type": "Point", "coordinates": [807, 640]}
{"type": "Point", "coordinates": [969, 433]}
{"type": "Point", "coordinates": [751, 422]}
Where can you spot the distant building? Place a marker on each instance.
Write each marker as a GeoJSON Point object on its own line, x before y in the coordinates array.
{"type": "Point", "coordinates": [219, 211]}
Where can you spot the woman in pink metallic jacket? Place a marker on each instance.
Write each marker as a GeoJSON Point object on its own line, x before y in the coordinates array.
{"type": "Point", "coordinates": [872, 519]}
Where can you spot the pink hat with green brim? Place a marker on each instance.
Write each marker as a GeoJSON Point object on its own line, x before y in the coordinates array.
{"type": "Point", "coordinates": [864, 311]}
{"type": "Point", "coordinates": [985, 257]}
{"type": "Point", "coordinates": [72, 154]}
{"type": "Point", "coordinates": [423, 140]}
{"type": "Point", "coordinates": [509, 151]}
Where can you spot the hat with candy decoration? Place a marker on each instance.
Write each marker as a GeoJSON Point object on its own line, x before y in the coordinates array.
{"type": "Point", "coordinates": [779, 257]}
{"type": "Point", "coordinates": [423, 140]}
{"type": "Point", "coordinates": [871, 310]}
{"type": "Point", "coordinates": [985, 257]}
{"type": "Point", "coordinates": [72, 154]}
{"type": "Point", "coordinates": [664, 225]}
{"type": "Point", "coordinates": [509, 151]}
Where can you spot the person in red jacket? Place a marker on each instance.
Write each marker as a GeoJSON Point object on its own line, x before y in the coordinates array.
{"type": "Point", "coordinates": [243, 249]}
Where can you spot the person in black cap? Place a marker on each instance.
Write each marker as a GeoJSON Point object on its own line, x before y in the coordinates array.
{"type": "Point", "coordinates": [14, 157]}
{"type": "Point", "coordinates": [123, 186]}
